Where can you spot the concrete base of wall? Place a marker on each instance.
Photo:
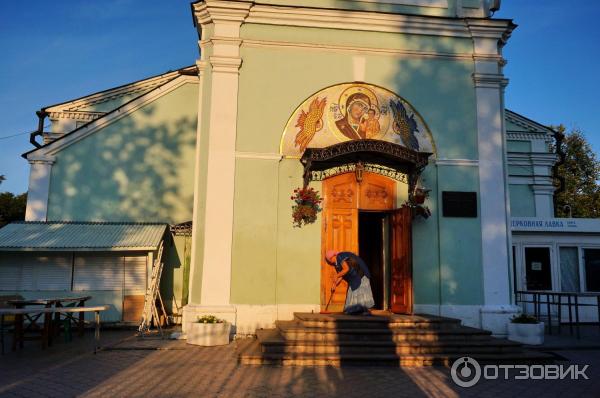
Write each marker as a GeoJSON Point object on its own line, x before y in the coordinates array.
{"type": "Point", "coordinates": [246, 318]}
{"type": "Point", "coordinates": [494, 318]}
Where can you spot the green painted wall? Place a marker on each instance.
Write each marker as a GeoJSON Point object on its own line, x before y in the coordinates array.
{"type": "Point", "coordinates": [520, 170]}
{"type": "Point", "coordinates": [275, 263]}
{"type": "Point", "coordinates": [138, 168]}
{"type": "Point", "coordinates": [299, 249]}
{"type": "Point", "coordinates": [440, 89]}
{"type": "Point", "coordinates": [522, 201]}
{"type": "Point", "coordinates": [114, 103]}
{"type": "Point", "coordinates": [272, 261]}
{"type": "Point", "coordinates": [359, 5]}
{"type": "Point", "coordinates": [518, 146]}
{"type": "Point", "coordinates": [363, 39]}
{"type": "Point", "coordinates": [460, 242]}
{"type": "Point", "coordinates": [173, 280]}
{"type": "Point", "coordinates": [255, 232]}
{"type": "Point", "coordinates": [513, 127]}
{"type": "Point", "coordinates": [426, 241]}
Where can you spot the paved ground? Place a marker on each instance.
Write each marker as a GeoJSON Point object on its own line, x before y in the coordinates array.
{"type": "Point", "coordinates": [132, 368]}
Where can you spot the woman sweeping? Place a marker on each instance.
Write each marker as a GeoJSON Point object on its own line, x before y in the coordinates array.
{"type": "Point", "coordinates": [353, 269]}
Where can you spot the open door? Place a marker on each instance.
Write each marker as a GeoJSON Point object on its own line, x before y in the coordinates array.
{"type": "Point", "coordinates": [401, 267]}
{"type": "Point", "coordinates": [339, 232]}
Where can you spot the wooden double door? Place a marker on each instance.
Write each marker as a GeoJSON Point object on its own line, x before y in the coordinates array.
{"type": "Point", "coordinates": [344, 199]}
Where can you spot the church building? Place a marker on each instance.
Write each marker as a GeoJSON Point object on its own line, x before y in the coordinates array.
{"type": "Point", "coordinates": [391, 110]}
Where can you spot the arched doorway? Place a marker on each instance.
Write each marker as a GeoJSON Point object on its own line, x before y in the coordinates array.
{"type": "Point", "coordinates": [360, 215]}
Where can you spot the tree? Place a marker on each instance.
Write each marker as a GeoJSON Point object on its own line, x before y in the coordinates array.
{"type": "Point", "coordinates": [12, 207]}
{"type": "Point", "coordinates": [581, 172]}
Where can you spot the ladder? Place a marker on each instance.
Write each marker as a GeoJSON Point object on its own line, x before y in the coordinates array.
{"type": "Point", "coordinates": [152, 293]}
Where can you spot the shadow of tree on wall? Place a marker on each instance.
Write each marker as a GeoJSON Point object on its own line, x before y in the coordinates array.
{"type": "Point", "coordinates": [435, 75]}
{"type": "Point", "coordinates": [132, 170]}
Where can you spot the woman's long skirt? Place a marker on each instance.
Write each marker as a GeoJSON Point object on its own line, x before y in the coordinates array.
{"type": "Point", "coordinates": [361, 299]}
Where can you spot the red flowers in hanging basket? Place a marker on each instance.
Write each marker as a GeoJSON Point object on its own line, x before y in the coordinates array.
{"type": "Point", "coordinates": [306, 206]}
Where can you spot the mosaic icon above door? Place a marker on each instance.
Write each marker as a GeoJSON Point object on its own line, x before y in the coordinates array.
{"type": "Point", "coordinates": [354, 111]}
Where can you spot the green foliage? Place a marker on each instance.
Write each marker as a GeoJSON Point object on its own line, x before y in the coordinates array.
{"type": "Point", "coordinates": [581, 172]}
{"type": "Point", "coordinates": [209, 319]}
{"type": "Point", "coordinates": [524, 318]}
{"type": "Point", "coordinates": [12, 207]}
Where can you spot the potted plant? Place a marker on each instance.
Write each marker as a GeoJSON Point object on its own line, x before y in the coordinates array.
{"type": "Point", "coordinates": [306, 206]}
{"type": "Point", "coordinates": [526, 329]}
{"type": "Point", "coordinates": [209, 330]}
{"type": "Point", "coordinates": [420, 195]}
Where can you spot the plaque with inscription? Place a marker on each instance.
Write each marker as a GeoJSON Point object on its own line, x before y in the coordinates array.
{"type": "Point", "coordinates": [459, 204]}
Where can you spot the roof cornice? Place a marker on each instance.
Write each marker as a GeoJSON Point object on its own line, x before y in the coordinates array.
{"type": "Point", "coordinates": [531, 125]}
{"type": "Point", "coordinates": [70, 138]}
{"type": "Point", "coordinates": [247, 11]}
{"type": "Point", "coordinates": [61, 110]}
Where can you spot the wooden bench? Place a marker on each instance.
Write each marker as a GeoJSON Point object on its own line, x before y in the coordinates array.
{"type": "Point", "coordinates": [20, 312]}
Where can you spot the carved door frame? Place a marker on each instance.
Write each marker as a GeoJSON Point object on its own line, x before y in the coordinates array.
{"type": "Point", "coordinates": [343, 197]}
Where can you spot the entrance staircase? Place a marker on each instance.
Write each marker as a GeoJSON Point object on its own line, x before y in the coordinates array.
{"type": "Point", "coordinates": [390, 339]}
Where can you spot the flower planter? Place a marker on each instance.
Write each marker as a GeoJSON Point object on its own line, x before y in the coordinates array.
{"type": "Point", "coordinates": [209, 334]}
{"type": "Point", "coordinates": [526, 333]}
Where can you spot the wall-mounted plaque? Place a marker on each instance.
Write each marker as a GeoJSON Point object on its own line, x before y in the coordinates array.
{"type": "Point", "coordinates": [459, 204]}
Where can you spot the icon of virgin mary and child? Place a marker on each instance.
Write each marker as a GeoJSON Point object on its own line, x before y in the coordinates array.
{"type": "Point", "coordinates": [360, 118]}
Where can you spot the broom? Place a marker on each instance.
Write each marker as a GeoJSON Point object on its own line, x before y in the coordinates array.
{"type": "Point", "coordinates": [325, 311]}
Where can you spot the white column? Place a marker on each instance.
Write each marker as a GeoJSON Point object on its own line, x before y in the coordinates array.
{"type": "Point", "coordinates": [39, 187]}
{"type": "Point", "coordinates": [544, 205]}
{"type": "Point", "coordinates": [543, 188]}
{"type": "Point", "coordinates": [493, 178]}
{"type": "Point", "coordinates": [201, 65]}
{"type": "Point", "coordinates": [223, 49]}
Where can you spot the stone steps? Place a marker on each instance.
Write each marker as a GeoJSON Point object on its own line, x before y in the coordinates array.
{"type": "Point", "coordinates": [293, 330]}
{"type": "Point", "coordinates": [253, 356]}
{"type": "Point", "coordinates": [365, 322]}
{"type": "Point", "coordinates": [387, 339]}
{"type": "Point", "coordinates": [271, 341]}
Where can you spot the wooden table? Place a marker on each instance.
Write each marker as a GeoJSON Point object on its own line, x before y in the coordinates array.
{"type": "Point", "coordinates": [47, 312]}
{"type": "Point", "coordinates": [49, 328]}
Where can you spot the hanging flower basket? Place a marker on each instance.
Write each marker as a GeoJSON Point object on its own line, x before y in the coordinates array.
{"type": "Point", "coordinates": [306, 206]}
{"type": "Point", "coordinates": [420, 195]}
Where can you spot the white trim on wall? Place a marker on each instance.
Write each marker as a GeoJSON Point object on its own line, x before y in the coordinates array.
{"type": "Point", "coordinates": [418, 3]}
{"type": "Point", "coordinates": [39, 187]}
{"type": "Point", "coordinates": [111, 117]}
{"type": "Point", "coordinates": [258, 155]}
{"type": "Point", "coordinates": [225, 61]}
{"type": "Point", "coordinates": [368, 21]}
{"type": "Point", "coordinates": [489, 83]}
{"type": "Point", "coordinates": [362, 50]}
{"type": "Point", "coordinates": [457, 162]}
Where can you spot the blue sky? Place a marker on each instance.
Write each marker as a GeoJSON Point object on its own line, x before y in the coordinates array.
{"type": "Point", "coordinates": [53, 51]}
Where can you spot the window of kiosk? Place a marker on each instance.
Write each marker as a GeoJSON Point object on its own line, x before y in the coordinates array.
{"type": "Point", "coordinates": [569, 268]}
{"type": "Point", "coordinates": [591, 258]}
{"type": "Point", "coordinates": [538, 274]}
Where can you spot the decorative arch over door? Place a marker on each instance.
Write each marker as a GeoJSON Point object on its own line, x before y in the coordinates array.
{"type": "Point", "coordinates": [353, 112]}
{"type": "Point", "coordinates": [384, 158]}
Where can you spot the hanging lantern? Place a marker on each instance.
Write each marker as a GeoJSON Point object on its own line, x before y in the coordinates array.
{"type": "Point", "coordinates": [359, 171]}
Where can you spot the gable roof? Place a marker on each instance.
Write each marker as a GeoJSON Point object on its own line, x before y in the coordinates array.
{"type": "Point", "coordinates": [83, 108]}
{"type": "Point", "coordinates": [189, 75]}
{"type": "Point", "coordinates": [80, 236]}
{"type": "Point", "coordinates": [525, 124]}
